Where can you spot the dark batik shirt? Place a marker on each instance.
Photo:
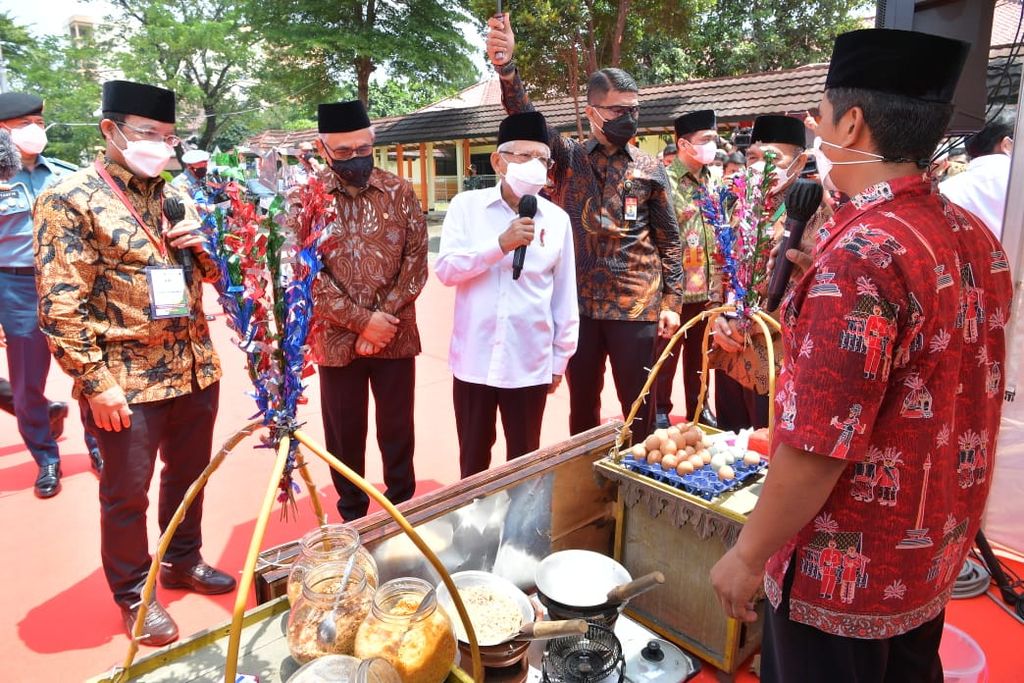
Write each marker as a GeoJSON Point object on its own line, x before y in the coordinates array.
{"type": "Point", "coordinates": [626, 269]}
{"type": "Point", "coordinates": [894, 353]}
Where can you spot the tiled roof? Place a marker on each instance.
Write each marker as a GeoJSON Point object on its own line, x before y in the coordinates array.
{"type": "Point", "coordinates": [735, 99]}
{"type": "Point", "coordinates": [485, 92]}
{"type": "Point", "coordinates": [1005, 21]}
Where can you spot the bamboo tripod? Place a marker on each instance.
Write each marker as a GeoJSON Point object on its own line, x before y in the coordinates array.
{"type": "Point", "coordinates": [764, 321]}
{"type": "Point", "coordinates": [249, 568]}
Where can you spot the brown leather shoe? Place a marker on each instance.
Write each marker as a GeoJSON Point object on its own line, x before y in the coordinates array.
{"type": "Point", "coordinates": [159, 629]}
{"type": "Point", "coordinates": [200, 577]}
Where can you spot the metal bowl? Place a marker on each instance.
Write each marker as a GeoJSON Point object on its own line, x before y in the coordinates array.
{"type": "Point", "coordinates": [502, 586]}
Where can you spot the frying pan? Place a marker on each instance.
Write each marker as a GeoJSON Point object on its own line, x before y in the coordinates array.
{"type": "Point", "coordinates": [581, 579]}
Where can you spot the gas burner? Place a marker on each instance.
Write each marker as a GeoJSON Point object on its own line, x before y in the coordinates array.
{"type": "Point", "coordinates": [592, 658]}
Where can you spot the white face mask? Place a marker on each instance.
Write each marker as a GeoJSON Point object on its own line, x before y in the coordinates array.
{"type": "Point", "coordinates": [705, 153]}
{"type": "Point", "coordinates": [146, 158]}
{"type": "Point", "coordinates": [825, 164]}
{"type": "Point", "coordinates": [716, 172]}
{"type": "Point", "coordinates": [30, 139]}
{"type": "Point", "coordinates": [526, 178]}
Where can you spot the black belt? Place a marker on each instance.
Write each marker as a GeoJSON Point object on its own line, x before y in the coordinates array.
{"type": "Point", "coordinates": [18, 270]}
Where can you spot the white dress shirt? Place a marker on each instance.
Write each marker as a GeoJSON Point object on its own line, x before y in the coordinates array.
{"type": "Point", "coordinates": [508, 333]}
{"type": "Point", "coordinates": [981, 189]}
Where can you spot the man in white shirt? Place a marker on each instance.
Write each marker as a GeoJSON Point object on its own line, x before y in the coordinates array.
{"type": "Point", "coordinates": [981, 189]}
{"type": "Point", "coordinates": [512, 338]}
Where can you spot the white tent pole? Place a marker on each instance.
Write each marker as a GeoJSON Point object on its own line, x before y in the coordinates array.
{"type": "Point", "coordinates": [1013, 245]}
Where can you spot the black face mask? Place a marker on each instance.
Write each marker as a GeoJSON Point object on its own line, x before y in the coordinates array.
{"type": "Point", "coordinates": [355, 171]}
{"type": "Point", "coordinates": [199, 173]}
{"type": "Point", "coordinates": [621, 129]}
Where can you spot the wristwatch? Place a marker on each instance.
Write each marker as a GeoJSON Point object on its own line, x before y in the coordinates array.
{"type": "Point", "coordinates": [506, 69]}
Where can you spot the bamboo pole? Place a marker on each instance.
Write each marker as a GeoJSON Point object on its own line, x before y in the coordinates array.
{"type": "Point", "coordinates": [165, 540]}
{"type": "Point", "coordinates": [314, 495]}
{"type": "Point", "coordinates": [376, 495]}
{"type": "Point", "coordinates": [249, 568]}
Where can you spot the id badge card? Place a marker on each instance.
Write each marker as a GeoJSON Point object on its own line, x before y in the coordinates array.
{"type": "Point", "coordinates": [168, 294]}
{"type": "Point", "coordinates": [630, 209]}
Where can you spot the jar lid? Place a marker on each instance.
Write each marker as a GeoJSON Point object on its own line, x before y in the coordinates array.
{"type": "Point", "coordinates": [345, 669]}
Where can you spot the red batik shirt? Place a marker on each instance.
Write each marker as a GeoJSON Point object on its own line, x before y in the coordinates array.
{"type": "Point", "coordinates": [894, 350]}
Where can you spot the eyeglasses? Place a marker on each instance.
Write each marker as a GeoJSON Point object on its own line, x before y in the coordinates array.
{"type": "Point", "coordinates": [631, 110]}
{"type": "Point", "coordinates": [346, 153]}
{"type": "Point", "coordinates": [150, 135]}
{"type": "Point", "coordinates": [524, 158]}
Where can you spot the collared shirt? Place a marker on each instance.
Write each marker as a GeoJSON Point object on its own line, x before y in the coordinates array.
{"type": "Point", "coordinates": [91, 257]}
{"type": "Point", "coordinates": [16, 209]}
{"type": "Point", "coordinates": [375, 259]}
{"type": "Point", "coordinates": [626, 269]}
{"type": "Point", "coordinates": [701, 274]}
{"type": "Point", "coordinates": [894, 351]}
{"type": "Point", "coordinates": [508, 333]}
{"type": "Point", "coordinates": [981, 189]}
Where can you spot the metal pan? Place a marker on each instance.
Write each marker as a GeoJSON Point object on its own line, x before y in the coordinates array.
{"type": "Point", "coordinates": [579, 578]}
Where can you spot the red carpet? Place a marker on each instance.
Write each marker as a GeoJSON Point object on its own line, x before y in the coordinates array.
{"type": "Point", "coordinates": [61, 624]}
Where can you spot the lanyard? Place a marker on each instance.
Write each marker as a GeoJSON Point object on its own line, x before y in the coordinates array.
{"type": "Point", "coordinates": [156, 240]}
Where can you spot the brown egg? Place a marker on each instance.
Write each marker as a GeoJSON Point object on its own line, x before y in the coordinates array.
{"type": "Point", "coordinates": [680, 440]}
{"type": "Point", "coordinates": [684, 467]}
{"type": "Point", "coordinates": [751, 458]}
{"type": "Point", "coordinates": [690, 450]}
{"type": "Point", "coordinates": [696, 461]}
{"type": "Point", "coordinates": [638, 451]}
{"type": "Point", "coordinates": [673, 430]}
{"type": "Point", "coordinates": [705, 456]}
{"type": "Point", "coordinates": [669, 462]}
{"type": "Point", "coordinates": [692, 438]}
{"type": "Point", "coordinates": [726, 473]}
{"type": "Point", "coordinates": [652, 443]}
{"type": "Point", "coordinates": [654, 457]}
{"type": "Point", "coordinates": [668, 447]}
{"type": "Point", "coordinates": [662, 434]}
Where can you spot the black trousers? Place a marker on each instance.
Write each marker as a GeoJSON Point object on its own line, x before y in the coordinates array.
{"type": "Point", "coordinates": [180, 429]}
{"type": "Point", "coordinates": [796, 653]}
{"type": "Point", "coordinates": [344, 403]}
{"type": "Point", "coordinates": [737, 407]}
{"type": "Point", "coordinates": [476, 408]}
{"type": "Point", "coordinates": [691, 349]}
{"type": "Point", "coordinates": [629, 345]}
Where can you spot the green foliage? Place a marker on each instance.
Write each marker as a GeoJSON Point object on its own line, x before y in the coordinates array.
{"type": "Point", "coordinates": [325, 45]}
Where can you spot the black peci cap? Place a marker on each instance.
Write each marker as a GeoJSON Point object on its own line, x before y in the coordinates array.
{"type": "Point", "coordinates": [528, 125]}
{"type": "Point", "coordinates": [342, 117]}
{"type": "Point", "coordinates": [918, 65]}
{"type": "Point", "coordinates": [14, 105]}
{"type": "Point", "coordinates": [778, 129]}
{"type": "Point", "coordinates": [703, 119]}
{"type": "Point", "coordinates": [139, 99]}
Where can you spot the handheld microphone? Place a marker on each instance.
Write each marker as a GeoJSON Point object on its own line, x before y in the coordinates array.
{"type": "Point", "coordinates": [10, 156]}
{"type": "Point", "coordinates": [174, 209]}
{"type": "Point", "coordinates": [527, 209]}
{"type": "Point", "coordinates": [802, 202]}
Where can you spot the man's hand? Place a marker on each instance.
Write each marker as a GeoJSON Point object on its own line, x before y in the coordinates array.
{"type": "Point", "coordinates": [500, 39]}
{"type": "Point", "coordinates": [668, 323]}
{"type": "Point", "coordinates": [736, 582]}
{"type": "Point", "coordinates": [519, 234]}
{"type": "Point", "coordinates": [110, 410]}
{"type": "Point", "coordinates": [186, 235]}
{"type": "Point", "coordinates": [381, 329]}
{"type": "Point", "coordinates": [801, 261]}
{"type": "Point", "coordinates": [365, 347]}
{"type": "Point", "coordinates": [3, 338]}
{"type": "Point", "coordinates": [556, 381]}
{"type": "Point", "coordinates": [727, 336]}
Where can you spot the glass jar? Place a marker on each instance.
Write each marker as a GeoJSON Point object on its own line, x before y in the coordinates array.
{"type": "Point", "coordinates": [345, 669]}
{"type": "Point", "coordinates": [330, 543]}
{"type": "Point", "coordinates": [326, 616]}
{"type": "Point", "coordinates": [406, 628]}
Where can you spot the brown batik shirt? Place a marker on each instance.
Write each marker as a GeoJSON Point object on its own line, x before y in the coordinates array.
{"type": "Point", "coordinates": [626, 269]}
{"type": "Point", "coordinates": [91, 257]}
{"type": "Point", "coordinates": [375, 259]}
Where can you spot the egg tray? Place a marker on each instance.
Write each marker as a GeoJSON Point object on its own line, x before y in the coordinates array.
{"type": "Point", "coordinates": [703, 482]}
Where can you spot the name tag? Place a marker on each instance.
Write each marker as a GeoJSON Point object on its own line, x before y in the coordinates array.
{"type": "Point", "coordinates": [630, 209]}
{"type": "Point", "coordinates": [168, 295]}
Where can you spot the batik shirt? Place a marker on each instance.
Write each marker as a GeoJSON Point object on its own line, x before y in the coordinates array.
{"type": "Point", "coordinates": [894, 352]}
{"type": "Point", "coordinates": [701, 275]}
{"type": "Point", "coordinates": [375, 259]}
{"type": "Point", "coordinates": [91, 257]}
{"type": "Point", "coordinates": [626, 269]}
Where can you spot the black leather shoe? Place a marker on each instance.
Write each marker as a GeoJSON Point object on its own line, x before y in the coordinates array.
{"type": "Point", "coordinates": [158, 629]}
{"type": "Point", "coordinates": [48, 481]}
{"type": "Point", "coordinates": [708, 418]}
{"type": "Point", "coordinates": [200, 578]}
{"type": "Point", "coordinates": [96, 461]}
{"type": "Point", "coordinates": [661, 421]}
{"type": "Point", "coordinates": [58, 412]}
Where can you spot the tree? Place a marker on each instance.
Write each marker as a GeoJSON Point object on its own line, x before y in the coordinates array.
{"type": "Point", "coordinates": [15, 42]}
{"type": "Point", "coordinates": [325, 44]}
{"type": "Point", "coordinates": [204, 50]}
